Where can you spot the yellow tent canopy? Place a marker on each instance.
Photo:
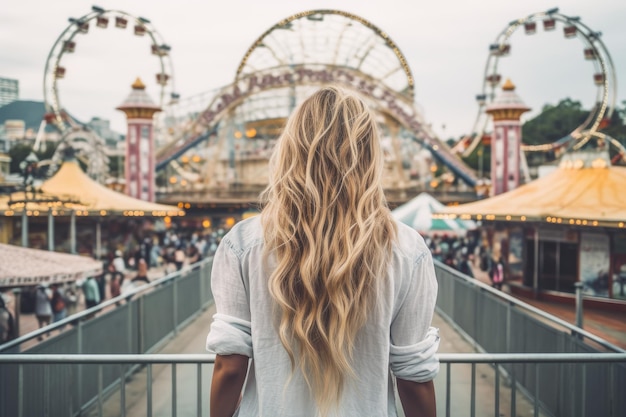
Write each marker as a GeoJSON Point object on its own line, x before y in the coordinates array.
{"type": "Point", "coordinates": [572, 194]}
{"type": "Point", "coordinates": [71, 189]}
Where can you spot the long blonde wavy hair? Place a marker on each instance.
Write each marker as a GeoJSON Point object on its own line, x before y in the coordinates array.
{"type": "Point", "coordinates": [326, 222]}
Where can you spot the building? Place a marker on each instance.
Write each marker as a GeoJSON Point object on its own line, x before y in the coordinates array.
{"type": "Point", "coordinates": [506, 111]}
{"type": "Point", "coordinates": [565, 228]}
{"type": "Point", "coordinates": [140, 163]}
{"type": "Point", "coordinates": [9, 90]}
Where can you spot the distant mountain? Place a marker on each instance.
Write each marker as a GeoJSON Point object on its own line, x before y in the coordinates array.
{"type": "Point", "coordinates": [30, 111]}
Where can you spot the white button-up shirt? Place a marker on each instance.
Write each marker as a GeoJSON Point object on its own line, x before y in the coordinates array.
{"type": "Point", "coordinates": [396, 340]}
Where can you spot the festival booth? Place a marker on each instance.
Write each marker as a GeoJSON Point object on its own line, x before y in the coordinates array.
{"type": "Point", "coordinates": [68, 196]}
{"type": "Point", "coordinates": [566, 227]}
{"type": "Point", "coordinates": [23, 267]}
{"type": "Point", "coordinates": [418, 214]}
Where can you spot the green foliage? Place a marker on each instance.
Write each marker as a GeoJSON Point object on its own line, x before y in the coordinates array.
{"type": "Point", "coordinates": [18, 153]}
{"type": "Point", "coordinates": [554, 122]}
{"type": "Point", "coordinates": [21, 150]}
{"type": "Point", "coordinates": [474, 159]}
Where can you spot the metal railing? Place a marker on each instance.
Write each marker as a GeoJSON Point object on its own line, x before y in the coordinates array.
{"type": "Point", "coordinates": [532, 353]}
{"type": "Point", "coordinates": [497, 323]}
{"type": "Point", "coordinates": [454, 391]}
{"type": "Point", "coordinates": [144, 319]}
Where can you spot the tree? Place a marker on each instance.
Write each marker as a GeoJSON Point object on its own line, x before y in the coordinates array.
{"type": "Point", "coordinates": [18, 153]}
{"type": "Point", "coordinates": [554, 122]}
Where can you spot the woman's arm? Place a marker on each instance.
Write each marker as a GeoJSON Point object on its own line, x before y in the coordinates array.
{"type": "Point", "coordinates": [418, 398]}
{"type": "Point", "coordinates": [229, 374]}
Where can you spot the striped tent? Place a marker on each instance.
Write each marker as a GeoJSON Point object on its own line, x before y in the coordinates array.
{"type": "Point", "coordinates": [418, 213]}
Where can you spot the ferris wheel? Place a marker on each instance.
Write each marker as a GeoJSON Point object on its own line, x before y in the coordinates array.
{"type": "Point", "coordinates": [55, 71]}
{"type": "Point", "coordinates": [594, 50]}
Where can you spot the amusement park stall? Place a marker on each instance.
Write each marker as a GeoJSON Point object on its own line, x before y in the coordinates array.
{"type": "Point", "coordinates": [564, 228]}
{"type": "Point", "coordinates": [69, 210]}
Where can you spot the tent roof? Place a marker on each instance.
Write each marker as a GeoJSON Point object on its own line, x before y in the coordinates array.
{"type": "Point", "coordinates": [79, 192]}
{"type": "Point", "coordinates": [584, 196]}
{"type": "Point", "coordinates": [38, 266]}
{"type": "Point", "coordinates": [418, 213]}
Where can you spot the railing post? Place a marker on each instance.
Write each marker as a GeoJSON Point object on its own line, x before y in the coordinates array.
{"type": "Point", "coordinates": [508, 327]}
{"type": "Point", "coordinates": [46, 390]}
{"type": "Point", "coordinates": [17, 306]}
{"type": "Point", "coordinates": [50, 230]}
{"type": "Point", "coordinates": [79, 367]}
{"type": "Point", "coordinates": [24, 228]}
{"type": "Point", "coordinates": [141, 325]}
{"type": "Point", "coordinates": [174, 390]}
{"type": "Point", "coordinates": [199, 390]}
{"type": "Point", "coordinates": [20, 390]}
{"type": "Point", "coordinates": [175, 302]}
{"type": "Point", "coordinates": [448, 383]}
{"type": "Point", "coordinates": [473, 392]}
{"type": "Point", "coordinates": [579, 304]}
{"type": "Point", "coordinates": [73, 232]}
{"type": "Point", "coordinates": [201, 279]}
{"type": "Point", "coordinates": [513, 392]}
{"type": "Point", "coordinates": [129, 312]}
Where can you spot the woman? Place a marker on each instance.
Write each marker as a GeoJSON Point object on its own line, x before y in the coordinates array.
{"type": "Point", "coordinates": [324, 291]}
{"type": "Point", "coordinates": [43, 308]}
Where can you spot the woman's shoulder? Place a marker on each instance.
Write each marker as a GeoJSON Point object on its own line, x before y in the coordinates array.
{"type": "Point", "coordinates": [410, 243]}
{"type": "Point", "coordinates": [244, 235]}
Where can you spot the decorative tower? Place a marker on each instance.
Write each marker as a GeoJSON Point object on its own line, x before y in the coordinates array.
{"type": "Point", "coordinates": [139, 166]}
{"type": "Point", "coordinates": [506, 110]}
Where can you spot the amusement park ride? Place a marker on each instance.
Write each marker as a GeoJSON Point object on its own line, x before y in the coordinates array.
{"type": "Point", "coordinates": [88, 146]}
{"type": "Point", "coordinates": [214, 147]}
{"type": "Point", "coordinates": [604, 78]}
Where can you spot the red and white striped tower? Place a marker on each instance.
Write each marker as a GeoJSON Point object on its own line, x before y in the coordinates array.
{"type": "Point", "coordinates": [506, 110]}
{"type": "Point", "coordinates": [139, 165]}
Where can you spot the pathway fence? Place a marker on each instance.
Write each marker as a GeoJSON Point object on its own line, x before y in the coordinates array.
{"type": "Point", "coordinates": [564, 369]}
{"type": "Point", "coordinates": [145, 318]}
{"type": "Point", "coordinates": [498, 323]}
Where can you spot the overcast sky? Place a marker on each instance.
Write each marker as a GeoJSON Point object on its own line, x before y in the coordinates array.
{"type": "Point", "coordinates": [445, 42]}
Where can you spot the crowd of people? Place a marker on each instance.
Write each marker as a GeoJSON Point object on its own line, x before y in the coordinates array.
{"type": "Point", "coordinates": [465, 254]}
{"type": "Point", "coordinates": [127, 268]}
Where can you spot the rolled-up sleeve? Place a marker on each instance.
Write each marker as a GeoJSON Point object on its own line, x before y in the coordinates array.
{"type": "Point", "coordinates": [229, 336]}
{"type": "Point", "coordinates": [230, 331]}
{"type": "Point", "coordinates": [414, 343]}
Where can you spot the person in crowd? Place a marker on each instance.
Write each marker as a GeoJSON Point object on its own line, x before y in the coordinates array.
{"type": "Point", "coordinates": [325, 290]}
{"type": "Point", "coordinates": [144, 251]}
{"type": "Point", "coordinates": [59, 304]}
{"type": "Point", "coordinates": [115, 280]}
{"type": "Point", "coordinates": [7, 323]}
{"type": "Point", "coordinates": [155, 254]}
{"type": "Point", "coordinates": [101, 283]}
{"type": "Point", "coordinates": [71, 298]}
{"type": "Point", "coordinates": [43, 308]}
{"type": "Point", "coordinates": [179, 257]}
{"type": "Point", "coordinates": [193, 254]}
{"type": "Point", "coordinates": [91, 292]}
{"type": "Point", "coordinates": [497, 274]}
{"type": "Point", "coordinates": [142, 274]}
{"type": "Point", "coordinates": [118, 262]}
{"type": "Point", "coordinates": [465, 266]}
